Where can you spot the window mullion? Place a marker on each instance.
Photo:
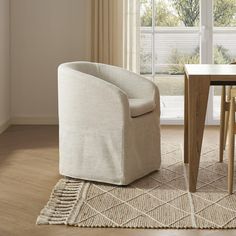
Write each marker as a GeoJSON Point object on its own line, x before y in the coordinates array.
{"type": "Point", "coordinates": [206, 46]}
{"type": "Point", "coordinates": [153, 39]}
{"type": "Point", "coordinates": [206, 30]}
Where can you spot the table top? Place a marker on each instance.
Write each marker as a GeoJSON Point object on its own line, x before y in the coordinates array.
{"type": "Point", "coordinates": [207, 69]}
{"type": "Point", "coordinates": [215, 72]}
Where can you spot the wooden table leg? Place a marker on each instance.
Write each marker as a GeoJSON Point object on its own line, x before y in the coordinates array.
{"type": "Point", "coordinates": [185, 119]}
{"type": "Point", "coordinates": [231, 145]}
{"type": "Point", "coordinates": [222, 124]}
{"type": "Point", "coordinates": [197, 106]}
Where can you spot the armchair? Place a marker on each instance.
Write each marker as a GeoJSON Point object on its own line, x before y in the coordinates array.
{"type": "Point", "coordinates": [109, 123]}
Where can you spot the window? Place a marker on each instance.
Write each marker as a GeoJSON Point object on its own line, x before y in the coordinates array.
{"type": "Point", "coordinates": [224, 41]}
{"type": "Point", "coordinates": [178, 32]}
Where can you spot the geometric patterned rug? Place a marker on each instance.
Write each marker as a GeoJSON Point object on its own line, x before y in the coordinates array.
{"type": "Point", "coordinates": [159, 200]}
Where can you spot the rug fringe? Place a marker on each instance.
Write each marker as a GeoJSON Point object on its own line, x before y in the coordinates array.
{"type": "Point", "coordinates": [62, 200]}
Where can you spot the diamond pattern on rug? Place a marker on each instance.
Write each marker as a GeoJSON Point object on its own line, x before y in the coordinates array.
{"type": "Point", "coordinates": [199, 203]}
{"type": "Point", "coordinates": [205, 224]}
{"type": "Point", "coordinates": [146, 184]}
{"type": "Point", "coordinates": [159, 200]}
{"type": "Point", "coordinates": [210, 193]}
{"type": "Point", "coordinates": [94, 191]}
{"type": "Point", "coordinates": [167, 214]}
{"type": "Point", "coordinates": [178, 183]}
{"type": "Point", "coordinates": [103, 202]}
{"type": "Point", "coordinates": [97, 219]}
{"type": "Point", "coordinates": [181, 203]}
{"type": "Point", "coordinates": [185, 222]}
{"type": "Point", "coordinates": [207, 176]}
{"type": "Point", "coordinates": [121, 214]}
{"type": "Point", "coordinates": [144, 220]}
{"type": "Point", "coordinates": [86, 213]}
{"type": "Point", "coordinates": [165, 175]}
{"type": "Point", "coordinates": [166, 193]}
{"type": "Point", "coordinates": [214, 214]}
{"type": "Point", "coordinates": [231, 224]}
{"type": "Point", "coordinates": [218, 168]}
{"type": "Point", "coordinates": [145, 203]}
{"type": "Point", "coordinates": [229, 202]}
{"type": "Point", "coordinates": [177, 168]}
{"type": "Point", "coordinates": [126, 193]}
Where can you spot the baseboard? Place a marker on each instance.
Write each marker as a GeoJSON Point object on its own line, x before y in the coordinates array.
{"type": "Point", "coordinates": [34, 121]}
{"type": "Point", "coordinates": [4, 126]}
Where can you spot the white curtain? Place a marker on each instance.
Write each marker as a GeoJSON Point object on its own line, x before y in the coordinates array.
{"type": "Point", "coordinates": [131, 35]}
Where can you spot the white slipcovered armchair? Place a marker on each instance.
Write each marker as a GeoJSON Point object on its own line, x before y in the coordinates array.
{"type": "Point", "coordinates": [109, 123]}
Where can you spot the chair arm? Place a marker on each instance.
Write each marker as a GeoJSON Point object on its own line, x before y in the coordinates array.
{"type": "Point", "coordinates": [135, 86]}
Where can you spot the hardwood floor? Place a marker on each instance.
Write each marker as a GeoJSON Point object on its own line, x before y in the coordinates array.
{"type": "Point", "coordinates": [29, 170]}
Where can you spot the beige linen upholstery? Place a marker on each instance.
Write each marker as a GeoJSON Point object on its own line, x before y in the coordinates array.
{"type": "Point", "coordinates": [140, 107]}
{"type": "Point", "coordinates": [99, 138]}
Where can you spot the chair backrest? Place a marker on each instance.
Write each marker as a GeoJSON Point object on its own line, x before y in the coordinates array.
{"type": "Point", "coordinates": [135, 86]}
{"type": "Point", "coordinates": [102, 71]}
{"type": "Point", "coordinates": [85, 67]}
{"type": "Point", "coordinates": [117, 76]}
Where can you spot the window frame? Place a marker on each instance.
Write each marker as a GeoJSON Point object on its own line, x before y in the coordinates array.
{"type": "Point", "coordinates": [206, 31]}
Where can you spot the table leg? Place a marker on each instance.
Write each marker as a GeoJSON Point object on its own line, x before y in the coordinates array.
{"type": "Point", "coordinates": [222, 123]}
{"type": "Point", "coordinates": [197, 106]}
{"type": "Point", "coordinates": [185, 119]}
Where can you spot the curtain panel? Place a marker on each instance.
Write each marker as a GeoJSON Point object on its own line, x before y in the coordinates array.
{"type": "Point", "coordinates": [107, 31]}
{"type": "Point", "coordinates": [115, 33]}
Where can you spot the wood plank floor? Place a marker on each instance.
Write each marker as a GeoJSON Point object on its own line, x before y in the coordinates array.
{"type": "Point", "coordinates": [29, 170]}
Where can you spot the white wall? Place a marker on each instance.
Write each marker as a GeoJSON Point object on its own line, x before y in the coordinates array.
{"type": "Point", "coordinates": [44, 33]}
{"type": "Point", "coordinates": [4, 65]}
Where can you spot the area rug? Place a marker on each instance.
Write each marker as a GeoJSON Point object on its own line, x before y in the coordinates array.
{"type": "Point", "coordinates": [159, 200]}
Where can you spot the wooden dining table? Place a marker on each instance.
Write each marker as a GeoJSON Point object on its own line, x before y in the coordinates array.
{"type": "Point", "coordinates": [198, 79]}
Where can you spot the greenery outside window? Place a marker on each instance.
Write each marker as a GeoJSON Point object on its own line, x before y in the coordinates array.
{"type": "Point", "coordinates": [178, 32]}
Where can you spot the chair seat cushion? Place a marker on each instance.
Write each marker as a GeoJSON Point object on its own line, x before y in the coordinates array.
{"type": "Point", "coordinates": [141, 106]}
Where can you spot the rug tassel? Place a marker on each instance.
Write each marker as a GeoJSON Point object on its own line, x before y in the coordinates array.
{"type": "Point", "coordinates": [61, 202]}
